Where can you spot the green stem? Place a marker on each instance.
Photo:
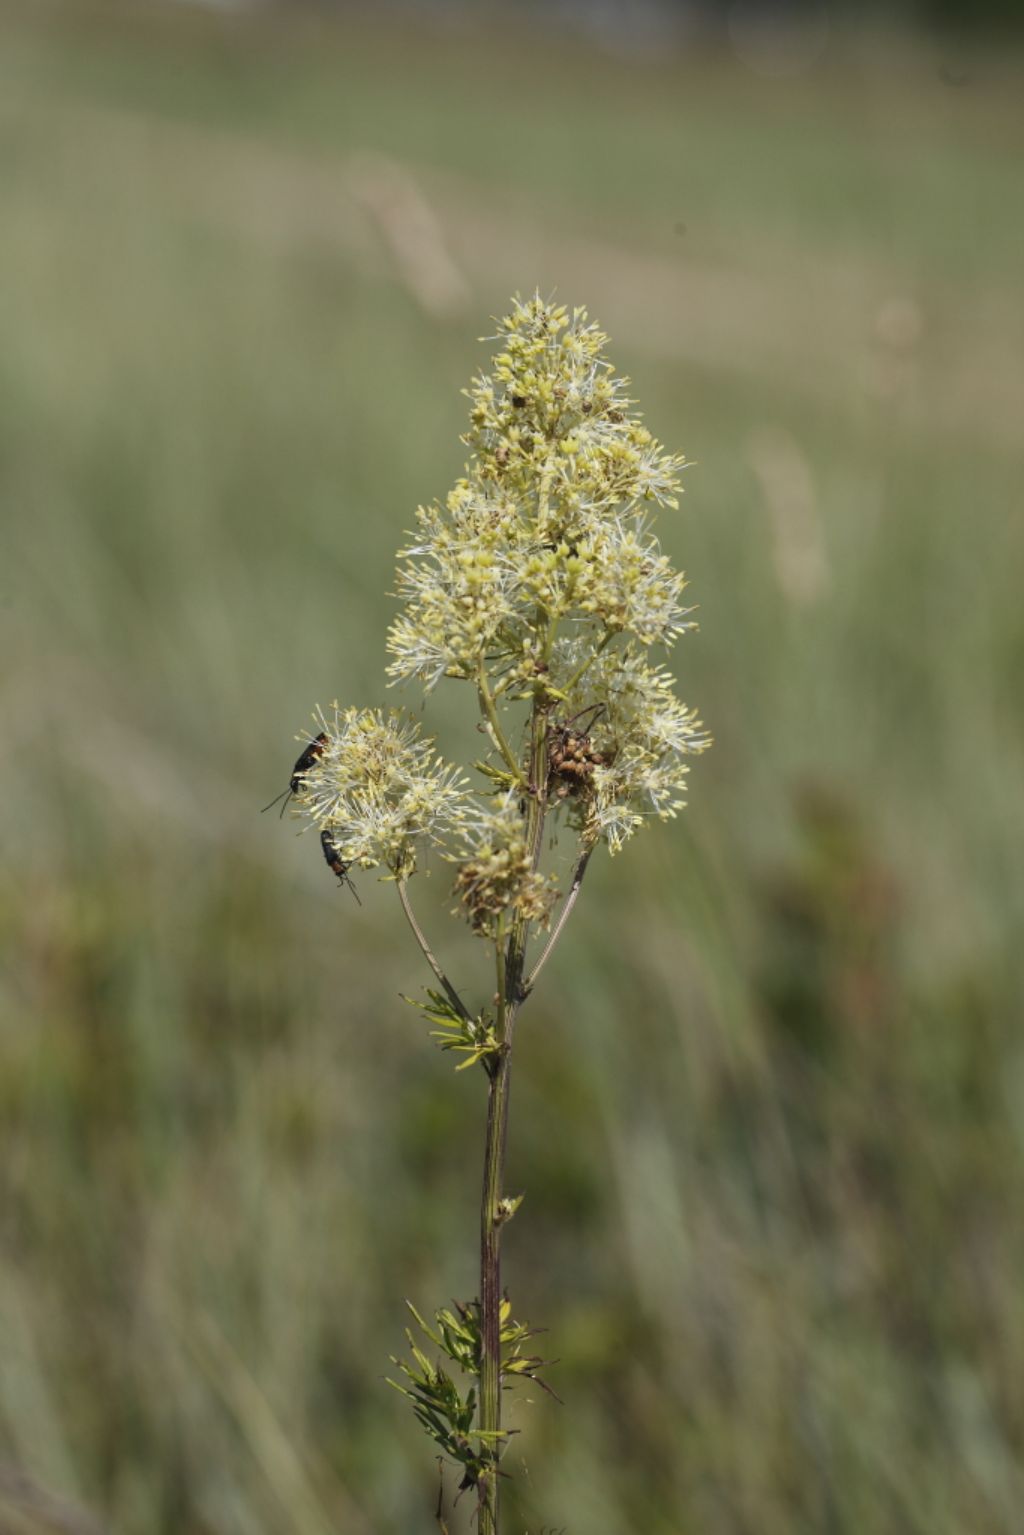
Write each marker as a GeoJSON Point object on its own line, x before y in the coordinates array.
{"type": "Point", "coordinates": [490, 1288]}
{"type": "Point", "coordinates": [491, 713]}
{"type": "Point", "coordinates": [585, 666]}
{"type": "Point", "coordinates": [428, 953]}
{"type": "Point", "coordinates": [510, 997]}
{"type": "Point", "coordinates": [499, 965]}
{"type": "Point", "coordinates": [563, 917]}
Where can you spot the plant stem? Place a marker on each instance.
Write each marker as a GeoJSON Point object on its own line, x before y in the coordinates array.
{"type": "Point", "coordinates": [563, 917]}
{"type": "Point", "coordinates": [428, 953]}
{"type": "Point", "coordinates": [586, 664]}
{"type": "Point", "coordinates": [510, 997]}
{"type": "Point", "coordinates": [490, 711]}
{"type": "Point", "coordinates": [490, 1287]}
{"type": "Point", "coordinates": [499, 966]}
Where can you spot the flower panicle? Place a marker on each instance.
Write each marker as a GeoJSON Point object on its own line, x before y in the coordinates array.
{"type": "Point", "coordinates": [539, 570]}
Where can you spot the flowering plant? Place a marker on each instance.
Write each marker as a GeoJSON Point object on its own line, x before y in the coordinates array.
{"type": "Point", "coordinates": [540, 583]}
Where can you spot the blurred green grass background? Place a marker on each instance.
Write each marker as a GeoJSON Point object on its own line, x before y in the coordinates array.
{"type": "Point", "coordinates": [769, 1098]}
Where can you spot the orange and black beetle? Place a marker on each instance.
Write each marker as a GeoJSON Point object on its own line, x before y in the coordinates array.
{"type": "Point", "coordinates": [303, 762]}
{"type": "Point", "coordinates": [336, 863]}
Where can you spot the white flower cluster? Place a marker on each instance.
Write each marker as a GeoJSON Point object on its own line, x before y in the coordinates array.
{"type": "Point", "coordinates": [645, 733]}
{"type": "Point", "coordinates": [380, 789]}
{"type": "Point", "coordinates": [550, 524]}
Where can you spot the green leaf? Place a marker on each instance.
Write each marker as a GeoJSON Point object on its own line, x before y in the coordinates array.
{"type": "Point", "coordinates": [474, 1038]}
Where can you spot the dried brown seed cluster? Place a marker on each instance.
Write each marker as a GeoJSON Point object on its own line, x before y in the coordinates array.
{"type": "Point", "coordinates": [500, 878]}
{"type": "Point", "coordinates": [571, 762]}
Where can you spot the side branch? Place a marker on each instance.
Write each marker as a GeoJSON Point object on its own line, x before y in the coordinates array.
{"type": "Point", "coordinates": [563, 917]}
{"type": "Point", "coordinates": [428, 954]}
{"type": "Point", "coordinates": [586, 664]}
{"type": "Point", "coordinates": [490, 712]}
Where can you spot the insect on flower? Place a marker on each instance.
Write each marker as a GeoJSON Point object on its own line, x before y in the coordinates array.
{"type": "Point", "coordinates": [336, 863]}
{"type": "Point", "coordinates": [303, 762]}
{"type": "Point", "coordinates": [571, 758]}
